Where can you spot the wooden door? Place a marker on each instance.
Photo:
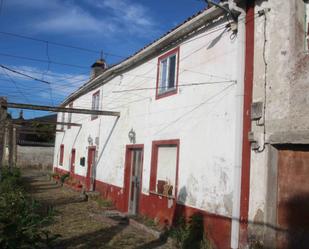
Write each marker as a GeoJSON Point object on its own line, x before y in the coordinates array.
{"type": "Point", "coordinates": [90, 163]}
{"type": "Point", "coordinates": [72, 166]}
{"type": "Point", "coordinates": [133, 178]}
{"type": "Point", "coordinates": [293, 197]}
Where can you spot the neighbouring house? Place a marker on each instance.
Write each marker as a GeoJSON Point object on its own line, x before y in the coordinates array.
{"type": "Point", "coordinates": [35, 143]}
{"type": "Point", "coordinates": [213, 120]}
{"type": "Point", "coordinates": [278, 189]}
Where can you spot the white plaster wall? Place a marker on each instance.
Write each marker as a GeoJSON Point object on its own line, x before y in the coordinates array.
{"type": "Point", "coordinates": [202, 117]}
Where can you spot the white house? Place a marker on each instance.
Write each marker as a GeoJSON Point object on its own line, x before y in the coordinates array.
{"type": "Point", "coordinates": [176, 147]}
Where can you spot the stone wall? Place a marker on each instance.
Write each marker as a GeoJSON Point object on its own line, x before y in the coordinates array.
{"type": "Point", "coordinates": [35, 157]}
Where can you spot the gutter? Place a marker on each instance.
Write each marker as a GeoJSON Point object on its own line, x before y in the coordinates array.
{"type": "Point", "coordinates": [239, 98]}
{"type": "Point", "coordinates": [152, 50]}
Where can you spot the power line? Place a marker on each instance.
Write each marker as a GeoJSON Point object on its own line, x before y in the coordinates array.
{"type": "Point", "coordinates": [46, 41]}
{"type": "Point", "coordinates": [41, 60]}
{"type": "Point", "coordinates": [179, 85]}
{"type": "Point", "coordinates": [16, 86]}
{"type": "Point", "coordinates": [25, 75]}
{"type": "Point", "coordinates": [59, 44]}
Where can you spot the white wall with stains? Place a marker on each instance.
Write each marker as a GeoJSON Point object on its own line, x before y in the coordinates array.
{"type": "Point", "coordinates": [202, 117]}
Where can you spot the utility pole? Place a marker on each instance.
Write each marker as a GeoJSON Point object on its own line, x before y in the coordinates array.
{"type": "Point", "coordinates": [11, 145]}
{"type": "Point", "coordinates": [3, 120]}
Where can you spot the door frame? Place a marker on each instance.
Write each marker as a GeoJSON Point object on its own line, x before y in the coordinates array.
{"type": "Point", "coordinates": [72, 167]}
{"type": "Point", "coordinates": [89, 168]}
{"type": "Point", "coordinates": [127, 174]}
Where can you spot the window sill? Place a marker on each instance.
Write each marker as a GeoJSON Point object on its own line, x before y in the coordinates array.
{"type": "Point", "coordinates": [166, 93]}
{"type": "Point", "coordinates": [162, 195]}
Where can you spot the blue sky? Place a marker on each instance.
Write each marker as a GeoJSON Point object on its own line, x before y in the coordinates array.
{"type": "Point", "coordinates": [118, 27]}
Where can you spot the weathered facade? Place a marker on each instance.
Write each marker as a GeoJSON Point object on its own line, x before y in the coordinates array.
{"type": "Point", "coordinates": [183, 143]}
{"type": "Point", "coordinates": [279, 191]}
{"type": "Point", "coordinates": [227, 137]}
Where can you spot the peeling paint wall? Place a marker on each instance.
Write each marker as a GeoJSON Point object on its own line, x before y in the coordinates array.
{"type": "Point", "coordinates": [201, 117]}
{"type": "Point", "coordinates": [287, 72]}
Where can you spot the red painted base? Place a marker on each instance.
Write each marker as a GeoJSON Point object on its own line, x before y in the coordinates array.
{"type": "Point", "coordinates": [217, 228]}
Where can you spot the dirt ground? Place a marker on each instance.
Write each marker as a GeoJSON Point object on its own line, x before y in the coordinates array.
{"type": "Point", "coordinates": [82, 224]}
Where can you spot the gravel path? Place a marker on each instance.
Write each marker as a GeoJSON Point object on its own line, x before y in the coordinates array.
{"type": "Point", "coordinates": [83, 224]}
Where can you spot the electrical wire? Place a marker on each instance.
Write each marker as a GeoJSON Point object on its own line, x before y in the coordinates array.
{"type": "Point", "coordinates": [25, 75]}
{"type": "Point", "coordinates": [41, 60]}
{"type": "Point", "coordinates": [265, 81]}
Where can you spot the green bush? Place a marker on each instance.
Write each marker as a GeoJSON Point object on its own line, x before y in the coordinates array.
{"type": "Point", "coordinates": [190, 235]}
{"type": "Point", "coordinates": [21, 224]}
{"type": "Point", "coordinates": [64, 177]}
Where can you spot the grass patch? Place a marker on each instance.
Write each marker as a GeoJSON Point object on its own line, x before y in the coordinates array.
{"type": "Point", "coordinates": [104, 203]}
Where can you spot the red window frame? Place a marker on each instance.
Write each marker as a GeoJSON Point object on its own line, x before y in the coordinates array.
{"type": "Point", "coordinates": [70, 115]}
{"type": "Point", "coordinates": [154, 162]}
{"type": "Point", "coordinates": [164, 56]}
{"type": "Point", "coordinates": [97, 93]}
{"type": "Point", "coordinates": [61, 154]}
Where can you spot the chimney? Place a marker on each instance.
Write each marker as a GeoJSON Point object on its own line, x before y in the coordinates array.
{"type": "Point", "coordinates": [97, 68]}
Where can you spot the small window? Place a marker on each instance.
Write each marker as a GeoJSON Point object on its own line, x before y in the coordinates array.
{"type": "Point", "coordinates": [61, 154]}
{"type": "Point", "coordinates": [164, 168]}
{"type": "Point", "coordinates": [95, 103]}
{"type": "Point", "coordinates": [167, 74]}
{"type": "Point", "coordinates": [70, 116]}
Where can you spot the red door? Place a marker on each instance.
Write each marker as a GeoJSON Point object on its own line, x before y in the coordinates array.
{"type": "Point", "coordinates": [293, 197]}
{"type": "Point", "coordinates": [72, 167]}
{"type": "Point", "coordinates": [89, 176]}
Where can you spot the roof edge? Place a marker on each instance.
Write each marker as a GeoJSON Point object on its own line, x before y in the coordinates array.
{"type": "Point", "coordinates": [153, 48]}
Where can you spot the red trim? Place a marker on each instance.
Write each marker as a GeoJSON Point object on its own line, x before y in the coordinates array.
{"type": "Point", "coordinates": [90, 160]}
{"type": "Point", "coordinates": [70, 115]}
{"type": "Point", "coordinates": [154, 162]}
{"type": "Point", "coordinates": [217, 227]}
{"type": "Point", "coordinates": [246, 151]}
{"type": "Point", "coordinates": [169, 93]}
{"type": "Point", "coordinates": [127, 174]}
{"type": "Point", "coordinates": [61, 154]}
{"type": "Point", "coordinates": [97, 93]}
{"type": "Point", "coordinates": [72, 164]}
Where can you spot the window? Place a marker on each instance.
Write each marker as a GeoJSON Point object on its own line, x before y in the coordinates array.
{"type": "Point", "coordinates": [95, 103]}
{"type": "Point", "coordinates": [70, 116]}
{"type": "Point", "coordinates": [61, 154]}
{"type": "Point", "coordinates": [164, 167]}
{"type": "Point", "coordinates": [167, 74]}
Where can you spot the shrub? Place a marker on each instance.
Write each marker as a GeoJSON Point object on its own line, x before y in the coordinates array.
{"type": "Point", "coordinates": [190, 235]}
{"type": "Point", "coordinates": [21, 224]}
{"type": "Point", "coordinates": [64, 177]}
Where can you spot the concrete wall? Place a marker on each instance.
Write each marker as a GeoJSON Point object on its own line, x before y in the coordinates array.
{"type": "Point", "coordinates": [282, 85]}
{"type": "Point", "coordinates": [35, 157]}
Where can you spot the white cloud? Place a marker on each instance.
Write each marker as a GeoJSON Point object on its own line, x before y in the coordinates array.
{"type": "Point", "coordinates": [103, 17]}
